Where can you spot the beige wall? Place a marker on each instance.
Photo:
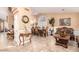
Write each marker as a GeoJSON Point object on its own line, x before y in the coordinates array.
{"type": "Point", "coordinates": [10, 20]}
{"type": "Point", "coordinates": [22, 12]}
{"type": "Point", "coordinates": [19, 26]}
{"type": "Point", "coordinates": [74, 18]}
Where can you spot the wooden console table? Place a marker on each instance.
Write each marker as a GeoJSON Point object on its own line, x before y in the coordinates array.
{"type": "Point", "coordinates": [24, 35]}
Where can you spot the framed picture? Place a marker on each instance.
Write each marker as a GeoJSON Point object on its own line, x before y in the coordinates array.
{"type": "Point", "coordinates": [65, 21]}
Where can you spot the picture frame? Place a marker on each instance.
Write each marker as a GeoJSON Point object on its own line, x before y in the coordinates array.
{"type": "Point", "coordinates": [65, 21]}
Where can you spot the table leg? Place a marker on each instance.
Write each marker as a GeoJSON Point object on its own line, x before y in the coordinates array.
{"type": "Point", "coordinates": [21, 41]}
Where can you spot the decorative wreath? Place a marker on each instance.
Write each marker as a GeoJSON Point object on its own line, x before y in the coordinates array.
{"type": "Point", "coordinates": [25, 19]}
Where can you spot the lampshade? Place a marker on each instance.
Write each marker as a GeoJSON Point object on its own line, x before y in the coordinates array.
{"type": "Point", "coordinates": [76, 32]}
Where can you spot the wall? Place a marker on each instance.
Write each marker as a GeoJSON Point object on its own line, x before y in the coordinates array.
{"type": "Point", "coordinates": [3, 37]}
{"type": "Point", "coordinates": [3, 12]}
{"type": "Point", "coordinates": [10, 20]}
{"type": "Point", "coordinates": [74, 18]}
{"type": "Point", "coordinates": [19, 26]}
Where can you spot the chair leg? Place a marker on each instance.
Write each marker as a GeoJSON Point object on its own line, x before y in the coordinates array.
{"type": "Point", "coordinates": [65, 46]}
{"type": "Point", "coordinates": [78, 45]}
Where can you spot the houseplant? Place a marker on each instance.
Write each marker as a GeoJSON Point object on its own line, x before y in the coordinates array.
{"type": "Point", "coordinates": [51, 22]}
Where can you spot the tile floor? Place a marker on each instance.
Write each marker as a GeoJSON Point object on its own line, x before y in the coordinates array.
{"type": "Point", "coordinates": [41, 44]}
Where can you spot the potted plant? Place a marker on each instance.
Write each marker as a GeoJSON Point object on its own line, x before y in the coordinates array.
{"type": "Point", "coordinates": [51, 22]}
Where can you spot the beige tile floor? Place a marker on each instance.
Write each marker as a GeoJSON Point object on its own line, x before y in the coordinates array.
{"type": "Point", "coordinates": [41, 44]}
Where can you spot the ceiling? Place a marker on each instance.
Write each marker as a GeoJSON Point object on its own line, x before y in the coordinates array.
{"type": "Point", "coordinates": [37, 10]}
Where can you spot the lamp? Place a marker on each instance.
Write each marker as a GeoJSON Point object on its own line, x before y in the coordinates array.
{"type": "Point", "coordinates": [76, 32]}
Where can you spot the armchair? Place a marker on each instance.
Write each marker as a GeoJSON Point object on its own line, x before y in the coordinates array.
{"type": "Point", "coordinates": [63, 35]}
